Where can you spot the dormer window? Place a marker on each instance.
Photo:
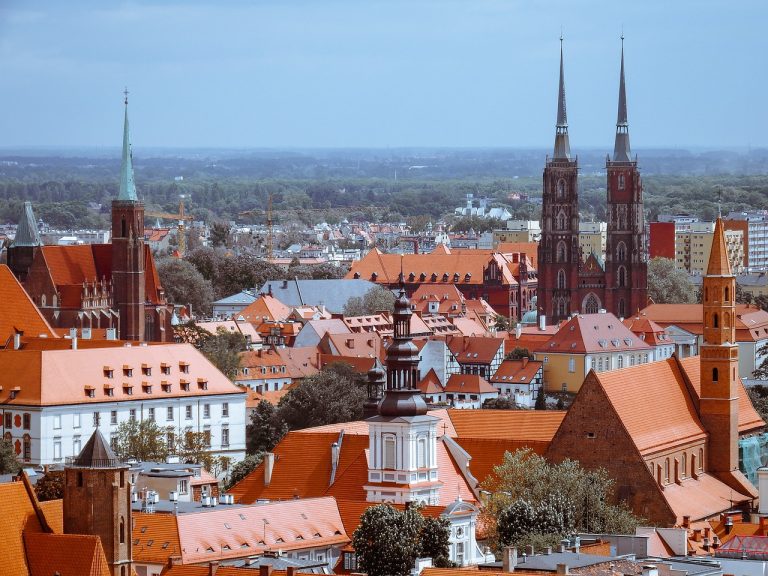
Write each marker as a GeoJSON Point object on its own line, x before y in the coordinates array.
{"type": "Point", "coordinates": [202, 384]}
{"type": "Point", "coordinates": [127, 371]}
{"type": "Point", "coordinates": [166, 386]}
{"type": "Point", "coordinates": [184, 385]}
{"type": "Point", "coordinates": [165, 368]}
{"type": "Point", "coordinates": [127, 389]}
{"type": "Point", "coordinates": [109, 372]}
{"type": "Point", "coordinates": [184, 367]}
{"type": "Point", "coordinates": [109, 390]}
{"type": "Point", "coordinates": [90, 391]}
{"type": "Point", "coordinates": [146, 387]}
{"type": "Point", "coordinates": [146, 370]}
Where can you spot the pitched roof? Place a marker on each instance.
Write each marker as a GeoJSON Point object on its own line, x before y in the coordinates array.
{"type": "Point", "coordinates": [430, 384]}
{"type": "Point", "coordinates": [718, 256]}
{"type": "Point", "coordinates": [96, 453]}
{"type": "Point", "coordinates": [65, 554]}
{"type": "Point", "coordinates": [487, 453]}
{"type": "Point", "coordinates": [589, 333]}
{"type": "Point", "coordinates": [265, 307]}
{"type": "Point", "coordinates": [331, 293]}
{"type": "Point", "coordinates": [59, 377]}
{"type": "Point", "coordinates": [751, 322]}
{"type": "Point", "coordinates": [523, 425]}
{"type": "Point", "coordinates": [516, 371]}
{"type": "Point", "coordinates": [669, 416]}
{"type": "Point", "coordinates": [474, 349]}
{"type": "Point", "coordinates": [469, 384]}
{"type": "Point", "coordinates": [17, 311]}
{"type": "Point", "coordinates": [648, 330]}
{"type": "Point", "coordinates": [18, 517]}
{"type": "Point", "coordinates": [155, 537]}
{"type": "Point", "coordinates": [27, 233]}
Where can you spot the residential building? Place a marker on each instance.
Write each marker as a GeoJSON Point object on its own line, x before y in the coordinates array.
{"type": "Point", "coordinates": [598, 342]}
{"type": "Point", "coordinates": [189, 482]}
{"type": "Point", "coordinates": [692, 248]}
{"type": "Point", "coordinates": [54, 399]}
{"type": "Point", "coordinates": [754, 226]}
{"type": "Point", "coordinates": [476, 354]}
{"type": "Point", "coordinates": [314, 330]}
{"type": "Point", "coordinates": [518, 231]}
{"type": "Point", "coordinates": [592, 239]}
{"type": "Point", "coordinates": [231, 306]}
{"type": "Point", "coordinates": [266, 308]}
{"type": "Point", "coordinates": [464, 391]}
{"type": "Point", "coordinates": [572, 284]}
{"type": "Point", "coordinates": [519, 380]}
{"type": "Point", "coordinates": [653, 335]}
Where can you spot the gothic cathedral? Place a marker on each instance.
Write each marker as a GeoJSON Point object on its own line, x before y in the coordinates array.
{"type": "Point", "coordinates": [572, 282]}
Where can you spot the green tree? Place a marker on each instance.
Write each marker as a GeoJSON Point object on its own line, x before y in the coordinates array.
{"type": "Point", "coordinates": [377, 299]}
{"type": "Point", "coordinates": [194, 447]}
{"type": "Point", "coordinates": [436, 541]}
{"type": "Point", "coordinates": [502, 323]}
{"type": "Point", "coordinates": [219, 234]}
{"type": "Point", "coordinates": [141, 440]}
{"type": "Point", "coordinates": [9, 463]}
{"type": "Point", "coordinates": [223, 350]}
{"type": "Point", "coordinates": [50, 486]}
{"type": "Point", "coordinates": [387, 542]}
{"type": "Point", "coordinates": [668, 284]}
{"type": "Point", "coordinates": [759, 397]}
{"type": "Point", "coordinates": [518, 353]}
{"type": "Point", "coordinates": [265, 429]}
{"type": "Point", "coordinates": [563, 497]}
{"type": "Point", "coordinates": [335, 394]}
{"type": "Point", "coordinates": [183, 284]}
{"type": "Point", "coordinates": [500, 403]}
{"type": "Point", "coordinates": [541, 399]}
{"type": "Point", "coordinates": [243, 468]}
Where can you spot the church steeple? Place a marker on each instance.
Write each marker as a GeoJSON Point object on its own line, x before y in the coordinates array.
{"type": "Point", "coordinates": [562, 145]}
{"type": "Point", "coordinates": [127, 187]}
{"type": "Point", "coordinates": [621, 150]}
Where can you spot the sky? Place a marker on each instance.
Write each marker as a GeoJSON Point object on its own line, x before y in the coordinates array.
{"type": "Point", "coordinates": [380, 73]}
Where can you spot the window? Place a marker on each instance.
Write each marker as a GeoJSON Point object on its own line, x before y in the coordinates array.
{"type": "Point", "coordinates": [57, 421]}
{"type": "Point", "coordinates": [184, 367]}
{"type": "Point", "coordinates": [561, 283]}
{"type": "Point", "coordinates": [701, 459]}
{"type": "Point", "coordinates": [76, 445]}
{"type": "Point", "coordinates": [350, 561]}
{"type": "Point", "coordinates": [127, 371]}
{"type": "Point", "coordinates": [166, 387]}
{"type": "Point", "coordinates": [621, 361]}
{"type": "Point", "coordinates": [591, 304]}
{"type": "Point", "coordinates": [27, 421]}
{"type": "Point", "coordinates": [147, 388]}
{"type": "Point", "coordinates": [460, 553]}
{"type": "Point", "coordinates": [715, 320]}
{"type": "Point", "coordinates": [207, 437]}
{"type": "Point", "coordinates": [27, 447]}
{"type": "Point", "coordinates": [714, 374]}
{"type": "Point", "coordinates": [621, 252]}
{"type": "Point", "coordinates": [183, 486]}
{"type": "Point", "coordinates": [389, 452]}
{"type": "Point", "coordinates": [621, 181]}
{"type": "Point", "coordinates": [165, 369]}
{"type": "Point", "coordinates": [622, 277]}
{"type": "Point", "coordinates": [57, 450]}
{"type": "Point", "coordinates": [666, 470]}
{"type": "Point", "coordinates": [146, 370]}
{"type": "Point", "coordinates": [571, 364]}
{"type": "Point", "coordinates": [8, 420]}
{"type": "Point", "coordinates": [225, 437]}
{"type": "Point", "coordinates": [421, 452]}
{"type": "Point", "coordinates": [170, 439]}
{"type": "Point", "coordinates": [132, 415]}
{"type": "Point", "coordinates": [151, 413]}
{"type": "Point", "coordinates": [225, 409]}
{"type": "Point", "coordinates": [685, 464]}
{"type": "Point", "coordinates": [113, 417]}
{"type": "Point", "coordinates": [206, 410]}
{"type": "Point", "coordinates": [169, 413]}
{"type": "Point", "coordinates": [188, 412]}
{"type": "Point", "coordinates": [108, 372]}
{"type": "Point", "coordinates": [562, 254]}
{"type": "Point", "coordinates": [96, 419]}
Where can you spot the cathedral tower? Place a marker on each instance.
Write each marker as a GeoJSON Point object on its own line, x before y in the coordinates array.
{"type": "Point", "coordinates": [97, 501]}
{"type": "Point", "coordinates": [626, 268]}
{"type": "Point", "coordinates": [25, 244]}
{"type": "Point", "coordinates": [402, 437]}
{"type": "Point", "coordinates": [128, 281]}
{"type": "Point", "coordinates": [559, 254]}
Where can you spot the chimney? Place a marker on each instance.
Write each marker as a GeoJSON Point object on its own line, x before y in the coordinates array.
{"type": "Point", "coordinates": [290, 571]}
{"type": "Point", "coordinates": [334, 455]}
{"type": "Point", "coordinates": [265, 570]}
{"type": "Point", "coordinates": [16, 340]}
{"type": "Point", "coordinates": [509, 560]}
{"type": "Point", "coordinates": [650, 570]}
{"type": "Point", "coordinates": [686, 522]}
{"type": "Point", "coordinates": [548, 551]}
{"type": "Point", "coordinates": [74, 343]}
{"type": "Point", "coordinates": [563, 545]}
{"type": "Point", "coordinates": [518, 330]}
{"type": "Point", "coordinates": [213, 568]}
{"type": "Point", "coordinates": [525, 361]}
{"type": "Point", "coordinates": [563, 569]}
{"type": "Point", "coordinates": [269, 464]}
{"type": "Point", "coordinates": [697, 535]}
{"type": "Point", "coordinates": [542, 322]}
{"type": "Point", "coordinates": [576, 544]}
{"type": "Point", "coordinates": [728, 526]}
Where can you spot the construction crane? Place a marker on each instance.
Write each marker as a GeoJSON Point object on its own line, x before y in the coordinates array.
{"type": "Point", "coordinates": [181, 217]}
{"type": "Point", "coordinates": [270, 230]}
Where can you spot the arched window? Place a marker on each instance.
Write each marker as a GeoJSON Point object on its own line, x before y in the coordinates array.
{"type": "Point", "coordinates": [726, 294]}
{"type": "Point", "coordinates": [560, 188]}
{"type": "Point", "coordinates": [561, 284]}
{"type": "Point", "coordinates": [561, 221]}
{"type": "Point", "coordinates": [421, 452]}
{"type": "Point", "coordinates": [685, 464]}
{"type": "Point", "coordinates": [622, 308]}
{"type": "Point", "coordinates": [122, 530]}
{"type": "Point", "coordinates": [591, 304]}
{"type": "Point", "coordinates": [701, 459]}
{"type": "Point", "coordinates": [389, 452]}
{"type": "Point", "coordinates": [706, 294]}
{"type": "Point", "coordinates": [562, 254]}
{"type": "Point", "coordinates": [621, 252]}
{"type": "Point", "coordinates": [714, 374]}
{"type": "Point", "coordinates": [666, 470]}
{"type": "Point", "coordinates": [42, 300]}
{"type": "Point", "coordinates": [622, 277]}
{"type": "Point", "coordinates": [561, 307]}
{"type": "Point", "coordinates": [123, 229]}
{"type": "Point", "coordinates": [27, 447]}
{"type": "Point", "coordinates": [715, 320]}
{"type": "Point", "coordinates": [621, 181]}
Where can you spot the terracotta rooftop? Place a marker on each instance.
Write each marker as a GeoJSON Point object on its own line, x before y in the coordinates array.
{"type": "Point", "coordinates": [718, 264]}
{"type": "Point", "coordinates": [516, 371]}
{"type": "Point", "coordinates": [469, 384]}
{"type": "Point", "coordinates": [17, 311]}
{"type": "Point", "coordinates": [264, 308]}
{"type": "Point", "coordinates": [521, 425]}
{"type": "Point", "coordinates": [590, 333]}
{"type": "Point", "coordinates": [65, 554]}
{"type": "Point", "coordinates": [751, 322]}
{"type": "Point", "coordinates": [430, 384]}
{"type": "Point", "coordinates": [475, 349]}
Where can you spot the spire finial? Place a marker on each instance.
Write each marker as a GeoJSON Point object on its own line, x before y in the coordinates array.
{"type": "Point", "coordinates": [621, 150]}
{"type": "Point", "coordinates": [562, 145]}
{"type": "Point", "coordinates": [125, 93]}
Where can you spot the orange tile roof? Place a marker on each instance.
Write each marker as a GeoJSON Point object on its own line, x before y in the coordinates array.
{"type": "Point", "coordinates": [590, 333]}
{"type": "Point", "coordinates": [648, 330]}
{"type": "Point", "coordinates": [18, 517]}
{"type": "Point", "coordinates": [530, 249]}
{"type": "Point", "coordinates": [474, 349]}
{"type": "Point", "coordinates": [751, 323]}
{"type": "Point", "coordinates": [17, 311]}
{"type": "Point", "coordinates": [516, 371]}
{"type": "Point", "coordinates": [470, 327]}
{"type": "Point", "coordinates": [360, 364]}
{"type": "Point", "coordinates": [65, 554]}
{"type": "Point", "coordinates": [469, 384]}
{"type": "Point", "coordinates": [365, 344]}
{"type": "Point", "coordinates": [265, 307]}
{"type": "Point", "coordinates": [487, 453]}
{"type": "Point", "coordinates": [718, 264]}
{"type": "Point", "coordinates": [255, 398]}
{"type": "Point", "coordinates": [749, 419]}
{"type": "Point", "coordinates": [352, 510]}
{"type": "Point", "coordinates": [669, 417]}
{"type": "Point", "coordinates": [522, 425]}
{"type": "Point", "coordinates": [205, 570]}
{"type": "Point", "coordinates": [430, 384]}
{"type": "Point", "coordinates": [58, 377]}
{"type": "Point", "coordinates": [53, 510]}
{"type": "Point", "coordinates": [701, 498]}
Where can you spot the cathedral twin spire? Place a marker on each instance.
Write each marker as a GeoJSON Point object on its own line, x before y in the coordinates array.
{"type": "Point", "coordinates": [621, 149]}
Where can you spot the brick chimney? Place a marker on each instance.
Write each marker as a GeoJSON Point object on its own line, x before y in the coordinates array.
{"type": "Point", "coordinates": [265, 570]}
{"type": "Point", "coordinates": [525, 361]}
{"type": "Point", "coordinates": [213, 567]}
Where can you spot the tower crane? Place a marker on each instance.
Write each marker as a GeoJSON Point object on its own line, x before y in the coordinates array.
{"type": "Point", "coordinates": [181, 217]}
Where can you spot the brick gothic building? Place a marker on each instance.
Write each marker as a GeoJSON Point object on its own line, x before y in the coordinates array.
{"type": "Point", "coordinates": [677, 456]}
{"type": "Point", "coordinates": [98, 286]}
{"type": "Point", "coordinates": [570, 282]}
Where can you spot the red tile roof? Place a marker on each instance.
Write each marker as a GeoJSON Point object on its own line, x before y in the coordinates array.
{"type": "Point", "coordinates": [751, 322]}
{"type": "Point", "coordinates": [522, 425]}
{"type": "Point", "coordinates": [264, 308]}
{"type": "Point", "coordinates": [516, 371]}
{"type": "Point", "coordinates": [18, 517]}
{"type": "Point", "coordinates": [469, 384]}
{"type": "Point", "coordinates": [430, 384]}
{"type": "Point", "coordinates": [65, 554]}
{"type": "Point", "coordinates": [589, 333]}
{"type": "Point", "coordinates": [474, 349]}
{"type": "Point", "coordinates": [17, 311]}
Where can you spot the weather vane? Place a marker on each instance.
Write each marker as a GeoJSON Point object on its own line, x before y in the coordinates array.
{"type": "Point", "coordinates": [125, 93]}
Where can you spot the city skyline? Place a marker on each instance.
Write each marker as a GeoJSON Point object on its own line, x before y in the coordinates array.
{"type": "Point", "coordinates": [340, 74]}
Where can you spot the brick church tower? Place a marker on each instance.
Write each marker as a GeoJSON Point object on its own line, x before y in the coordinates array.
{"type": "Point", "coordinates": [626, 267]}
{"type": "Point", "coordinates": [97, 501]}
{"type": "Point", "coordinates": [559, 254]}
{"type": "Point", "coordinates": [128, 281]}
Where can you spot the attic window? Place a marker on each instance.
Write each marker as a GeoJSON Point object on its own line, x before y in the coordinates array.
{"type": "Point", "coordinates": [184, 367]}
{"type": "Point", "coordinates": [445, 276]}
{"type": "Point", "coordinates": [165, 386]}
{"type": "Point", "coordinates": [90, 391]}
{"type": "Point", "coordinates": [108, 372]}
{"type": "Point", "coordinates": [411, 277]}
{"type": "Point", "coordinates": [422, 277]}
{"type": "Point", "coordinates": [279, 541]}
{"type": "Point", "coordinates": [165, 545]}
{"type": "Point", "coordinates": [109, 390]}
{"type": "Point", "coordinates": [316, 535]}
{"type": "Point", "coordinates": [244, 544]}
{"type": "Point", "coordinates": [467, 276]}
{"type": "Point", "coordinates": [242, 516]}
{"type": "Point", "coordinates": [150, 542]}
{"type": "Point", "coordinates": [522, 378]}
{"type": "Point", "coordinates": [127, 371]}
{"type": "Point", "coordinates": [184, 385]}
{"type": "Point", "coordinates": [146, 370]}
{"type": "Point", "coordinates": [226, 547]}
{"type": "Point", "coordinates": [143, 529]}
{"type": "Point", "coordinates": [127, 389]}
{"type": "Point", "coordinates": [136, 542]}
{"type": "Point", "coordinates": [628, 341]}
{"type": "Point", "coordinates": [573, 344]}
{"type": "Point", "coordinates": [165, 368]}
{"type": "Point", "coordinates": [209, 549]}
{"type": "Point", "coordinates": [590, 435]}
{"type": "Point", "coordinates": [455, 276]}
{"type": "Point", "coordinates": [146, 387]}
{"type": "Point", "coordinates": [434, 277]}
{"type": "Point", "coordinates": [227, 526]}
{"type": "Point", "coordinates": [615, 342]}
{"type": "Point", "coordinates": [299, 537]}
{"type": "Point", "coordinates": [202, 384]}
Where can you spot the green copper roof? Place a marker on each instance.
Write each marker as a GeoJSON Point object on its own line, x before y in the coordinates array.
{"type": "Point", "coordinates": [127, 187]}
{"type": "Point", "coordinates": [27, 233]}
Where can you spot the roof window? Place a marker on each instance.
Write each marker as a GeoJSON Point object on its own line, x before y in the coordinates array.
{"type": "Point", "coordinates": [108, 372]}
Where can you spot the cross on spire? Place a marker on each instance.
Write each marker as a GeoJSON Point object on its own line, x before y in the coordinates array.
{"type": "Point", "coordinates": [125, 93]}
{"type": "Point", "coordinates": [621, 150]}
{"type": "Point", "coordinates": [562, 145]}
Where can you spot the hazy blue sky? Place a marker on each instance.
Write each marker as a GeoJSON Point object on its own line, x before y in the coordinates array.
{"type": "Point", "coordinates": [344, 73]}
